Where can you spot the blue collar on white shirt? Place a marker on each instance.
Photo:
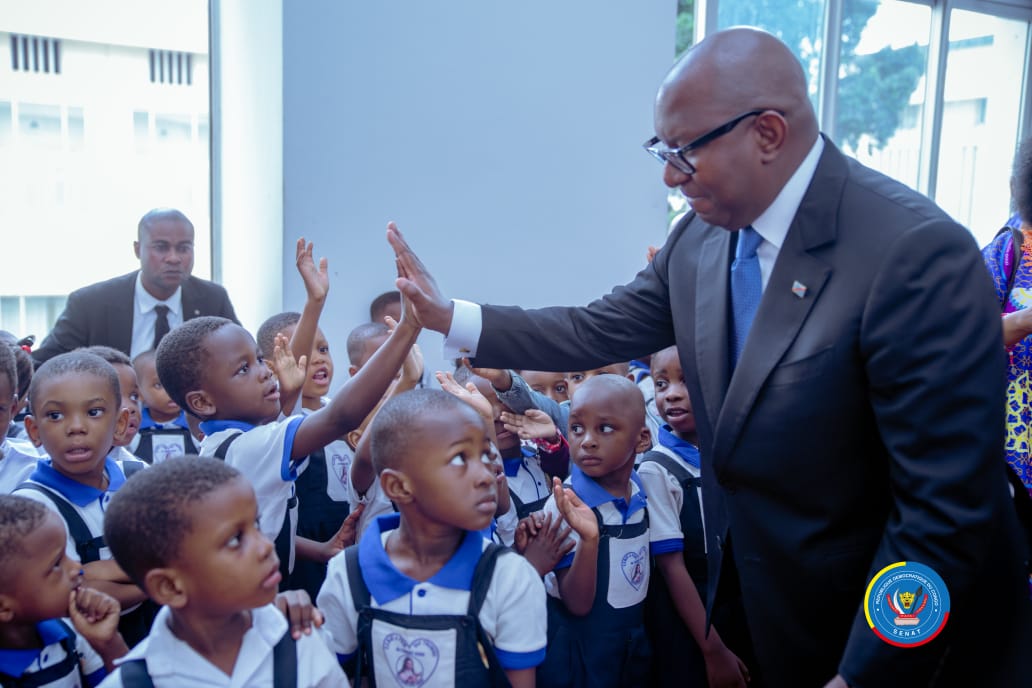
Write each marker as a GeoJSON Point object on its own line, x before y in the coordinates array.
{"type": "Point", "coordinates": [147, 421]}
{"type": "Point", "coordinates": [684, 449]}
{"type": "Point", "coordinates": [386, 583]}
{"type": "Point", "coordinates": [146, 301]}
{"type": "Point", "coordinates": [15, 662]}
{"type": "Point", "coordinates": [210, 427]}
{"type": "Point", "coordinates": [593, 494]}
{"type": "Point", "coordinates": [512, 466]}
{"type": "Point", "coordinates": [74, 491]}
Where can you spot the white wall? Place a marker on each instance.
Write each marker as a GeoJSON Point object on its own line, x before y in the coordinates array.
{"type": "Point", "coordinates": [505, 139]}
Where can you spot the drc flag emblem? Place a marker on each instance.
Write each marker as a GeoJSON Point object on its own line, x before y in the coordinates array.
{"type": "Point", "coordinates": [907, 604]}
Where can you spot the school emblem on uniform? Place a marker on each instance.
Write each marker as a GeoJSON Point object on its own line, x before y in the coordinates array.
{"type": "Point", "coordinates": [907, 604]}
{"type": "Point", "coordinates": [412, 663]}
{"type": "Point", "coordinates": [340, 468]}
{"type": "Point", "coordinates": [633, 566]}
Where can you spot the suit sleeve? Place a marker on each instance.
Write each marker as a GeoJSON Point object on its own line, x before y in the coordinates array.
{"type": "Point", "coordinates": [69, 332]}
{"type": "Point", "coordinates": [934, 359]}
{"type": "Point", "coordinates": [631, 321]}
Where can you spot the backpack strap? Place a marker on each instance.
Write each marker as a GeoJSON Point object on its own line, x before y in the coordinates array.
{"type": "Point", "coordinates": [131, 468]}
{"type": "Point", "coordinates": [359, 591]}
{"type": "Point", "coordinates": [134, 674]}
{"type": "Point", "coordinates": [668, 462]}
{"type": "Point", "coordinates": [54, 673]}
{"type": "Point", "coordinates": [223, 449]}
{"type": "Point", "coordinates": [284, 662]}
{"type": "Point", "coordinates": [1017, 239]}
{"type": "Point", "coordinates": [482, 577]}
{"type": "Point", "coordinates": [86, 545]}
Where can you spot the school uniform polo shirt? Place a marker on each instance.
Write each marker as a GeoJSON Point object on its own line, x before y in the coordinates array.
{"type": "Point", "coordinates": [262, 455]}
{"type": "Point", "coordinates": [626, 563]}
{"type": "Point", "coordinates": [525, 477]}
{"type": "Point", "coordinates": [165, 446]}
{"type": "Point", "coordinates": [513, 615]}
{"type": "Point", "coordinates": [20, 662]}
{"type": "Point", "coordinates": [89, 502]}
{"type": "Point", "coordinates": [666, 496]}
{"type": "Point", "coordinates": [17, 461]}
{"type": "Point", "coordinates": [172, 663]}
{"type": "Point", "coordinates": [376, 505]}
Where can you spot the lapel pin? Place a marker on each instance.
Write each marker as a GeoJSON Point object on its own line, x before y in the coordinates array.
{"type": "Point", "coordinates": [198, 312]}
{"type": "Point", "coordinates": [799, 289]}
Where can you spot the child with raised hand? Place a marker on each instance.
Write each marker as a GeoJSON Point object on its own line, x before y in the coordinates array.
{"type": "Point", "coordinates": [675, 614]}
{"type": "Point", "coordinates": [212, 368]}
{"type": "Point", "coordinates": [17, 457]}
{"type": "Point", "coordinates": [77, 413]}
{"type": "Point", "coordinates": [164, 430]}
{"type": "Point", "coordinates": [596, 635]}
{"type": "Point", "coordinates": [197, 550]}
{"type": "Point", "coordinates": [53, 629]}
{"type": "Point", "coordinates": [424, 599]}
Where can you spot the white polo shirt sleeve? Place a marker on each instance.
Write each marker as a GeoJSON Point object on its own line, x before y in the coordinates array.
{"type": "Point", "coordinates": [665, 500]}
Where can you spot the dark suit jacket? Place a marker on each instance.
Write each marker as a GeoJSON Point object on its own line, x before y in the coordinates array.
{"type": "Point", "coordinates": [102, 313]}
{"type": "Point", "coordinates": [862, 426]}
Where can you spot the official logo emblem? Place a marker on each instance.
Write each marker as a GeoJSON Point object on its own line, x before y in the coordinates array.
{"type": "Point", "coordinates": [633, 566]}
{"type": "Point", "coordinates": [907, 604]}
{"type": "Point", "coordinates": [412, 663]}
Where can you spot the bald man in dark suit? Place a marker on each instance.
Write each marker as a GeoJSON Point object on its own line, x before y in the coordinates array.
{"type": "Point", "coordinates": [849, 410]}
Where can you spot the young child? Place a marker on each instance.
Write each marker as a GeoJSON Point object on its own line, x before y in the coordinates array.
{"type": "Point", "coordinates": [17, 457]}
{"type": "Point", "coordinates": [596, 635]}
{"type": "Point", "coordinates": [76, 414]}
{"type": "Point", "coordinates": [23, 361]}
{"type": "Point", "coordinates": [187, 532]}
{"type": "Point", "coordinates": [211, 367]}
{"type": "Point", "coordinates": [54, 631]}
{"type": "Point", "coordinates": [130, 386]}
{"type": "Point", "coordinates": [675, 614]}
{"type": "Point", "coordinates": [424, 598]}
{"type": "Point", "coordinates": [164, 430]}
{"type": "Point", "coordinates": [552, 385]}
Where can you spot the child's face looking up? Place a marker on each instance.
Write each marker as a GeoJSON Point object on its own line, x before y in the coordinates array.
{"type": "Point", "coordinates": [224, 561]}
{"type": "Point", "coordinates": [450, 473]}
{"type": "Point", "coordinates": [506, 440]}
{"type": "Point", "coordinates": [604, 437]}
{"type": "Point", "coordinates": [320, 366]}
{"type": "Point", "coordinates": [45, 576]}
{"type": "Point", "coordinates": [74, 418]}
{"type": "Point", "coordinates": [237, 384]}
{"type": "Point", "coordinates": [672, 394]}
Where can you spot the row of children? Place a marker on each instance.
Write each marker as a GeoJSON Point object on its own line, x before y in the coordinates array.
{"type": "Point", "coordinates": [424, 598]}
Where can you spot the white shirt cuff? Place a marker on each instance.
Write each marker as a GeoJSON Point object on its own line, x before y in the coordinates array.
{"type": "Point", "coordinates": [464, 333]}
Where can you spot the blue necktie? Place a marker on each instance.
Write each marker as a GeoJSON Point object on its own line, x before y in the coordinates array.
{"type": "Point", "coordinates": [746, 286]}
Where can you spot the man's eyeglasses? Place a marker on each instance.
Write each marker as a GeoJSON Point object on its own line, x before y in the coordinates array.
{"type": "Point", "coordinates": [678, 156]}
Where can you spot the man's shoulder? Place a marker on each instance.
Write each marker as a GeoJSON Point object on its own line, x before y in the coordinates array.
{"type": "Point", "coordinates": [109, 286]}
{"type": "Point", "coordinates": [202, 285]}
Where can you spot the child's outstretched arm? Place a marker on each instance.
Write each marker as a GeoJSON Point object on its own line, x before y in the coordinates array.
{"type": "Point", "coordinates": [107, 576]}
{"type": "Point", "coordinates": [723, 667]}
{"type": "Point", "coordinates": [322, 552]}
{"type": "Point", "coordinates": [361, 393]}
{"type": "Point", "coordinates": [577, 583]}
{"type": "Point", "coordinates": [317, 285]}
{"type": "Point", "coordinates": [95, 616]}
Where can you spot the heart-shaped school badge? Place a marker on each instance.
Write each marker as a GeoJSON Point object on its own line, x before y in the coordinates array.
{"type": "Point", "coordinates": [411, 663]}
{"type": "Point", "coordinates": [340, 468]}
{"type": "Point", "coordinates": [633, 566]}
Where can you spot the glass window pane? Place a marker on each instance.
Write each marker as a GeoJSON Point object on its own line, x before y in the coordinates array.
{"type": "Point", "coordinates": [980, 119]}
{"type": "Point", "coordinates": [40, 125]}
{"type": "Point", "coordinates": [799, 27]}
{"type": "Point", "coordinates": [5, 123]}
{"type": "Point", "coordinates": [880, 102]}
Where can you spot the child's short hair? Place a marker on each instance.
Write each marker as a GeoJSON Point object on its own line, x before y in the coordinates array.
{"type": "Point", "coordinates": [143, 356]}
{"type": "Point", "coordinates": [181, 356]}
{"type": "Point", "coordinates": [149, 516]}
{"type": "Point", "coordinates": [8, 369]}
{"type": "Point", "coordinates": [378, 306]}
{"type": "Point", "coordinates": [19, 517]}
{"type": "Point", "coordinates": [273, 326]}
{"type": "Point", "coordinates": [21, 359]}
{"type": "Point", "coordinates": [109, 354]}
{"type": "Point", "coordinates": [80, 362]}
{"type": "Point", "coordinates": [360, 335]}
{"type": "Point", "coordinates": [391, 436]}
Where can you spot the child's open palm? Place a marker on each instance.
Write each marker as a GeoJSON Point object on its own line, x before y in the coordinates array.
{"type": "Point", "coordinates": [289, 371]}
{"type": "Point", "coordinates": [316, 279]}
{"type": "Point", "coordinates": [469, 394]}
{"type": "Point", "coordinates": [534, 424]}
{"type": "Point", "coordinates": [578, 515]}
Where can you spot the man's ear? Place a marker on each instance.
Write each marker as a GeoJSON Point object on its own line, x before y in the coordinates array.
{"type": "Point", "coordinates": [201, 403]}
{"type": "Point", "coordinates": [771, 132]}
{"type": "Point", "coordinates": [165, 586]}
{"type": "Point", "coordinates": [33, 431]}
{"type": "Point", "coordinates": [644, 441]}
{"type": "Point", "coordinates": [396, 485]}
{"type": "Point", "coordinates": [121, 426]}
{"type": "Point", "coordinates": [136, 248]}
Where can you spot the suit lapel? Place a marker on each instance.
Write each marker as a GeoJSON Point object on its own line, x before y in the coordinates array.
{"type": "Point", "coordinates": [711, 328]}
{"type": "Point", "coordinates": [121, 313]}
{"type": "Point", "coordinates": [783, 310]}
{"type": "Point", "coordinates": [188, 298]}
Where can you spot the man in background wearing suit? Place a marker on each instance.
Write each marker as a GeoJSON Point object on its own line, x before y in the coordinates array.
{"type": "Point", "coordinates": [132, 312]}
{"type": "Point", "coordinates": [844, 369]}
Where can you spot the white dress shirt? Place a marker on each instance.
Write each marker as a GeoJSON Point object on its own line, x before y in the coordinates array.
{"type": "Point", "coordinates": [144, 317]}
